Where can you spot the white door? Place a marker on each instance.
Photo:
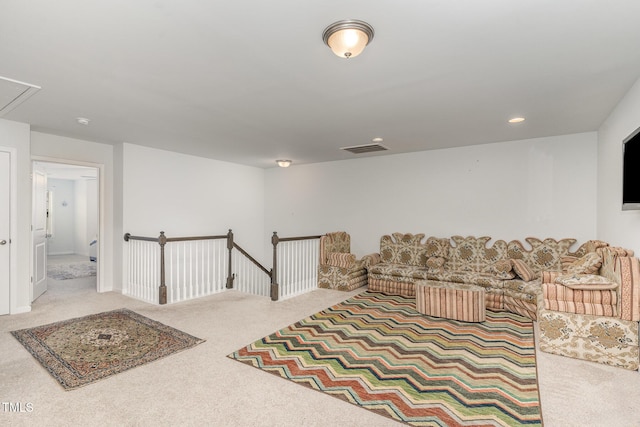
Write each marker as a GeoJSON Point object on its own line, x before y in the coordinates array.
{"type": "Point", "coordinates": [5, 252]}
{"type": "Point", "coordinates": [39, 232]}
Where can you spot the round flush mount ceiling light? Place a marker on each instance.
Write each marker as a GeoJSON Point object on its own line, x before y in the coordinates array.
{"type": "Point", "coordinates": [377, 139]}
{"type": "Point", "coordinates": [283, 163]}
{"type": "Point", "coordinates": [516, 120]}
{"type": "Point", "coordinates": [348, 38]}
{"type": "Point", "coordinates": [83, 121]}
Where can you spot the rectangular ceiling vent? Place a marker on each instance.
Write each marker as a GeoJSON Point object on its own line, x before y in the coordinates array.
{"type": "Point", "coordinates": [14, 93]}
{"type": "Point", "coordinates": [362, 149]}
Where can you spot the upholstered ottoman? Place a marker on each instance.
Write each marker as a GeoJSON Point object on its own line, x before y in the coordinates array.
{"type": "Point", "coordinates": [458, 301]}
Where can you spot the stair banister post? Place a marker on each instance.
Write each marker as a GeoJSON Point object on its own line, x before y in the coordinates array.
{"type": "Point", "coordinates": [162, 294]}
{"type": "Point", "coordinates": [275, 289]}
{"type": "Point", "coordinates": [230, 275]}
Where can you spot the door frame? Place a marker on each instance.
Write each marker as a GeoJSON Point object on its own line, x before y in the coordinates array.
{"type": "Point", "coordinates": [101, 207]}
{"type": "Point", "coordinates": [13, 227]}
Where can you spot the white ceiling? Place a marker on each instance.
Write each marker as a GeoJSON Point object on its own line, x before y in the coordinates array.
{"type": "Point", "coordinates": [251, 81]}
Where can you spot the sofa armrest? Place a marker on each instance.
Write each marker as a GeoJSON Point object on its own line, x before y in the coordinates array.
{"type": "Point", "coordinates": [371, 259]}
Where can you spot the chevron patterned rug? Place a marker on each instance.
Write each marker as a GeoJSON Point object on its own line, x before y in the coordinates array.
{"type": "Point", "coordinates": [378, 352]}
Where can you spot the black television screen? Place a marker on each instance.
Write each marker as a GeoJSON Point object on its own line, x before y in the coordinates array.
{"type": "Point", "coordinates": [631, 172]}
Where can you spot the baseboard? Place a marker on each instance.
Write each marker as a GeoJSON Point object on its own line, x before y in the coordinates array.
{"type": "Point", "coordinates": [20, 310]}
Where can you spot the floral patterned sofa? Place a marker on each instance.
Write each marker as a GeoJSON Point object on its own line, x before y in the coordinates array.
{"type": "Point", "coordinates": [594, 318]}
{"type": "Point", "coordinates": [406, 258]}
{"type": "Point", "coordinates": [338, 267]}
{"type": "Point", "coordinates": [587, 301]}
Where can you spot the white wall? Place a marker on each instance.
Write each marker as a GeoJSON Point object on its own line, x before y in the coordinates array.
{"type": "Point", "coordinates": [63, 217]}
{"type": "Point", "coordinates": [618, 227]}
{"type": "Point", "coordinates": [542, 187]}
{"type": "Point", "coordinates": [185, 195]}
{"type": "Point", "coordinates": [16, 135]}
{"type": "Point", "coordinates": [88, 153]}
{"type": "Point", "coordinates": [86, 212]}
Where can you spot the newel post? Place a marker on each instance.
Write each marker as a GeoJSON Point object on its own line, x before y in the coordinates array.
{"type": "Point", "coordinates": [230, 274]}
{"type": "Point", "coordinates": [162, 294]}
{"type": "Point", "coordinates": [275, 288]}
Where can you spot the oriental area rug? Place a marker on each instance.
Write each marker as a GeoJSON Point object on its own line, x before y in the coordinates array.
{"type": "Point", "coordinates": [79, 351]}
{"type": "Point", "coordinates": [376, 351]}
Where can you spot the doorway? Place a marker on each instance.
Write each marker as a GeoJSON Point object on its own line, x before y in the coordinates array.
{"type": "Point", "coordinates": [66, 228]}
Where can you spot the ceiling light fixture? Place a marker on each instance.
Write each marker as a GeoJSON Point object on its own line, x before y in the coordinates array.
{"type": "Point", "coordinates": [516, 120]}
{"type": "Point", "coordinates": [348, 38]}
{"type": "Point", "coordinates": [83, 121]}
{"type": "Point", "coordinates": [283, 163]}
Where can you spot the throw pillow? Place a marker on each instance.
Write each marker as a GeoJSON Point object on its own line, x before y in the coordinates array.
{"type": "Point", "coordinates": [585, 282]}
{"type": "Point", "coordinates": [588, 264]}
{"type": "Point", "coordinates": [435, 263]}
{"type": "Point", "coordinates": [340, 259]}
{"type": "Point", "coordinates": [436, 247]}
{"type": "Point", "coordinates": [550, 276]}
{"type": "Point", "coordinates": [523, 270]}
{"type": "Point", "coordinates": [566, 261]}
{"type": "Point", "coordinates": [502, 269]}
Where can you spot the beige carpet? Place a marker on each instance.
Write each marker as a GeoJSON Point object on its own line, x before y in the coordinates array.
{"type": "Point", "coordinates": [203, 387]}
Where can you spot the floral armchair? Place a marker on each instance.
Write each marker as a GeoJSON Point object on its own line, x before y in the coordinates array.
{"type": "Point", "coordinates": [338, 268]}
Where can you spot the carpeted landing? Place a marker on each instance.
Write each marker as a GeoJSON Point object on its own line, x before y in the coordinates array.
{"type": "Point", "coordinates": [72, 270]}
{"type": "Point", "coordinates": [79, 351]}
{"type": "Point", "coordinates": [378, 352]}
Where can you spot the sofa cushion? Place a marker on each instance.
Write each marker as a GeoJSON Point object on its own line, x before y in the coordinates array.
{"type": "Point", "coordinates": [405, 249]}
{"type": "Point", "coordinates": [585, 281]}
{"type": "Point", "coordinates": [544, 254]}
{"type": "Point", "coordinates": [472, 254]}
{"type": "Point", "coordinates": [436, 247]}
{"type": "Point", "coordinates": [588, 264]}
{"type": "Point", "coordinates": [593, 302]}
{"type": "Point", "coordinates": [388, 271]}
{"type": "Point", "coordinates": [523, 270]}
{"type": "Point", "coordinates": [502, 269]}
{"type": "Point", "coordinates": [485, 280]}
{"type": "Point", "coordinates": [567, 260]}
{"type": "Point", "coordinates": [339, 259]}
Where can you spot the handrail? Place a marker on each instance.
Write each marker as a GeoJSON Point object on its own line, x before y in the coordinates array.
{"type": "Point", "coordinates": [187, 239]}
{"type": "Point", "coordinates": [128, 236]}
{"type": "Point", "coordinates": [292, 239]}
{"type": "Point", "coordinates": [252, 259]}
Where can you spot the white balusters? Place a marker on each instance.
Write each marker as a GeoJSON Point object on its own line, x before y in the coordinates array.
{"type": "Point", "coordinates": [193, 269]}
{"type": "Point", "coordinates": [143, 271]}
{"type": "Point", "coordinates": [196, 267]}
{"type": "Point", "coordinates": [249, 277]}
{"type": "Point", "coordinates": [297, 267]}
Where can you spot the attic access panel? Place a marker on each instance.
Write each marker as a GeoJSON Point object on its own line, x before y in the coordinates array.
{"type": "Point", "coordinates": [14, 93]}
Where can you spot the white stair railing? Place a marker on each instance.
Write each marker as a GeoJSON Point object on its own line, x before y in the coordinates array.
{"type": "Point", "coordinates": [166, 270]}
{"type": "Point", "coordinates": [195, 268]}
{"type": "Point", "coordinates": [297, 271]}
{"type": "Point", "coordinates": [143, 270]}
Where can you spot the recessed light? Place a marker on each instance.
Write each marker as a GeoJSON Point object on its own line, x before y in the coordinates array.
{"type": "Point", "coordinates": [516, 120]}
{"type": "Point", "coordinates": [83, 121]}
{"type": "Point", "coordinates": [283, 163]}
{"type": "Point", "coordinates": [377, 139]}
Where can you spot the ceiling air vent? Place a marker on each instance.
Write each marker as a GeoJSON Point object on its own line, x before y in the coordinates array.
{"type": "Point", "coordinates": [368, 148]}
